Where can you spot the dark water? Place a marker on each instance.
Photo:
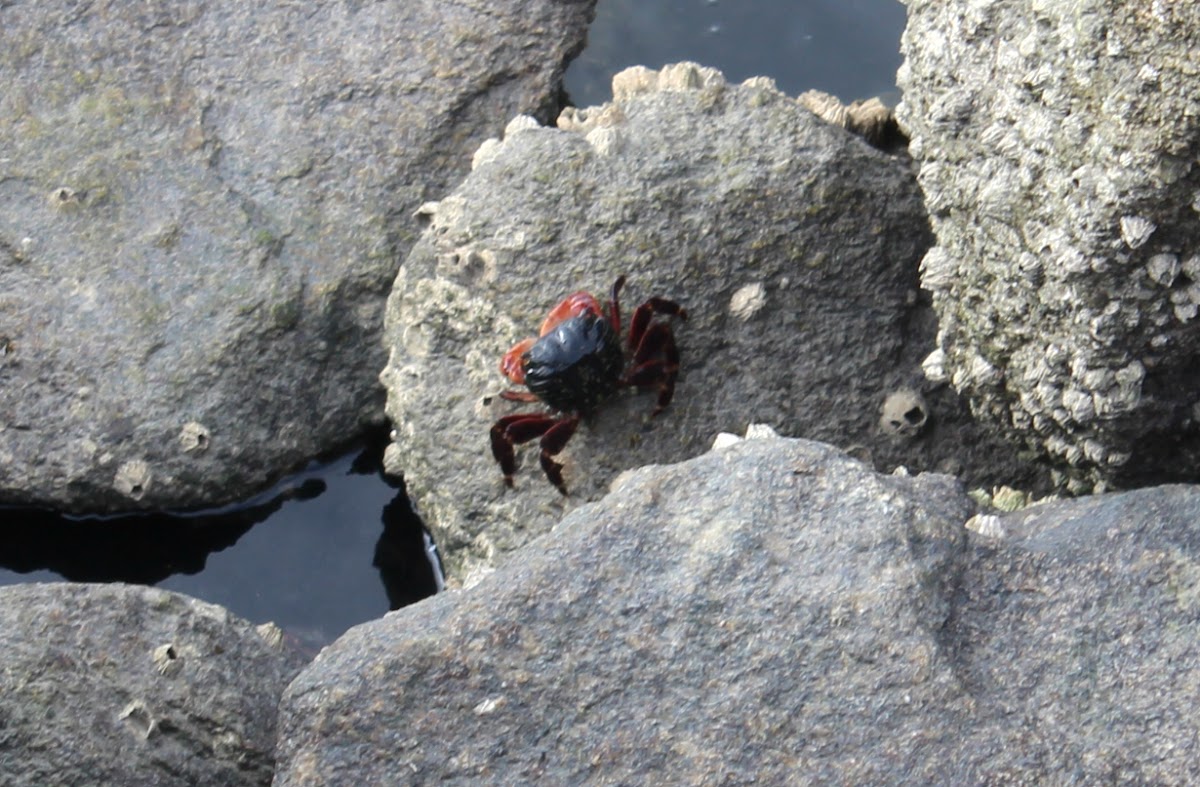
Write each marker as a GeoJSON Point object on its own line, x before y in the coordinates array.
{"type": "Point", "coordinates": [850, 48]}
{"type": "Point", "coordinates": [324, 549]}
{"type": "Point", "coordinates": [337, 544]}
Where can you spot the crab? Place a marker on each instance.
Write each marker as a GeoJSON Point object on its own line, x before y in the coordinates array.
{"type": "Point", "coordinates": [575, 364]}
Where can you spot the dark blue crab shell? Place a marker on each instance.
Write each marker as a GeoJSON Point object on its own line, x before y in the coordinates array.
{"type": "Point", "coordinates": [576, 366]}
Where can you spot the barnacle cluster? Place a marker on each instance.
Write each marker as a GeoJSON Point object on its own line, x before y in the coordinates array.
{"type": "Point", "coordinates": [1066, 277]}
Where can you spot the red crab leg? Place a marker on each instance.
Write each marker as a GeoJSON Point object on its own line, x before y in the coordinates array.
{"type": "Point", "coordinates": [513, 429]}
{"type": "Point", "coordinates": [655, 372]}
{"type": "Point", "coordinates": [643, 314]}
{"type": "Point", "coordinates": [657, 341]}
{"type": "Point", "coordinates": [614, 305]}
{"type": "Point", "coordinates": [519, 396]}
{"type": "Point", "coordinates": [552, 443]}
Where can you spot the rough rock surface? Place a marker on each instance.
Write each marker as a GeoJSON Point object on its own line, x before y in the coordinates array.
{"type": "Point", "coordinates": [792, 244]}
{"type": "Point", "coordinates": [766, 608]}
{"type": "Point", "coordinates": [1058, 145]}
{"type": "Point", "coordinates": [1077, 633]}
{"type": "Point", "coordinates": [202, 207]}
{"type": "Point", "coordinates": [773, 612]}
{"type": "Point", "coordinates": [122, 684]}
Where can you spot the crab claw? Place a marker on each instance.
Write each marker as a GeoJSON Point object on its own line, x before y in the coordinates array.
{"type": "Point", "coordinates": [511, 365]}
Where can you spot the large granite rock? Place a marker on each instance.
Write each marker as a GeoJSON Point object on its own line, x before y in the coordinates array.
{"type": "Point", "coordinates": [764, 611]}
{"type": "Point", "coordinates": [792, 244]}
{"type": "Point", "coordinates": [121, 684]}
{"type": "Point", "coordinates": [202, 207]}
{"type": "Point", "coordinates": [773, 613]}
{"type": "Point", "coordinates": [1058, 145]}
{"type": "Point", "coordinates": [1076, 632]}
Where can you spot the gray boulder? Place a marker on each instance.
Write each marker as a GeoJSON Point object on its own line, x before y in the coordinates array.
{"type": "Point", "coordinates": [767, 610]}
{"type": "Point", "coordinates": [120, 684]}
{"type": "Point", "coordinates": [1058, 145]}
{"type": "Point", "coordinates": [792, 244]}
{"type": "Point", "coordinates": [1075, 631]}
{"type": "Point", "coordinates": [202, 207]}
{"type": "Point", "coordinates": [773, 612]}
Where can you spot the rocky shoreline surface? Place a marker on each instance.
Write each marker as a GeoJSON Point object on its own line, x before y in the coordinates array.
{"type": "Point", "coordinates": [218, 242]}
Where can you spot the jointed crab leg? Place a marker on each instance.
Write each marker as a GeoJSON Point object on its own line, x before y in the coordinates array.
{"type": "Point", "coordinates": [519, 396]}
{"type": "Point", "coordinates": [553, 442]}
{"type": "Point", "coordinates": [614, 305]}
{"type": "Point", "coordinates": [526, 426]}
{"type": "Point", "coordinates": [657, 341]}
{"type": "Point", "coordinates": [643, 314]}
{"type": "Point", "coordinates": [512, 430]}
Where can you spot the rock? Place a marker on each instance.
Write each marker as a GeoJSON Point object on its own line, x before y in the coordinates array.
{"type": "Point", "coordinates": [773, 612]}
{"type": "Point", "coordinates": [203, 207]}
{"type": "Point", "coordinates": [122, 684]}
{"type": "Point", "coordinates": [764, 610]}
{"type": "Point", "coordinates": [791, 243]}
{"type": "Point", "coordinates": [1058, 147]}
{"type": "Point", "coordinates": [1075, 632]}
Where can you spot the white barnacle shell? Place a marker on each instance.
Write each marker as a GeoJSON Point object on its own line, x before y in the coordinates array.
{"type": "Point", "coordinates": [1097, 379]}
{"type": "Point", "coordinates": [934, 366]}
{"type": "Point", "coordinates": [1072, 260]}
{"type": "Point", "coordinates": [1056, 445]}
{"type": "Point", "coordinates": [825, 106]}
{"type": "Point", "coordinates": [688, 76]}
{"type": "Point", "coordinates": [998, 194]}
{"type": "Point", "coordinates": [1079, 404]}
{"type": "Point", "coordinates": [1131, 375]}
{"type": "Point", "coordinates": [1094, 450]}
{"type": "Point", "coordinates": [938, 270]}
{"type": "Point", "coordinates": [1031, 403]}
{"type": "Point", "coordinates": [748, 301]}
{"type": "Point", "coordinates": [986, 525]}
{"type": "Point", "coordinates": [488, 151]}
{"type": "Point", "coordinates": [606, 140]}
{"type": "Point", "coordinates": [761, 432]}
{"type": "Point", "coordinates": [974, 371]}
{"type": "Point", "coordinates": [634, 81]}
{"type": "Point", "coordinates": [1118, 458]}
{"type": "Point", "coordinates": [1129, 383]}
{"type": "Point", "coordinates": [195, 437]}
{"type": "Point", "coordinates": [981, 372]}
{"type": "Point", "coordinates": [1122, 393]}
{"type": "Point", "coordinates": [1136, 230]}
{"type": "Point", "coordinates": [584, 120]}
{"type": "Point", "coordinates": [993, 135]}
{"type": "Point", "coordinates": [133, 479]}
{"type": "Point", "coordinates": [724, 440]}
{"type": "Point", "coordinates": [1163, 268]}
{"type": "Point", "coordinates": [521, 123]}
{"type": "Point", "coordinates": [1048, 392]}
{"type": "Point", "coordinates": [761, 83]}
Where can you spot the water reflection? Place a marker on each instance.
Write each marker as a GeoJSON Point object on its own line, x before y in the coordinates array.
{"type": "Point", "coordinates": [142, 549]}
{"type": "Point", "coordinates": [303, 556]}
